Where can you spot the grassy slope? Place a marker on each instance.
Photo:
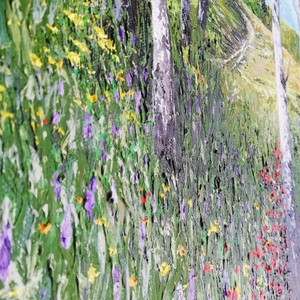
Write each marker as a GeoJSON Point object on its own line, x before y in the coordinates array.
{"type": "Point", "coordinates": [222, 145]}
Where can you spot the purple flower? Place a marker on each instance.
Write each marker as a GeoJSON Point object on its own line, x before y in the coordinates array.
{"type": "Point", "coordinates": [230, 98]}
{"type": "Point", "coordinates": [145, 74]}
{"type": "Point", "coordinates": [138, 97]}
{"type": "Point", "coordinates": [191, 285]}
{"type": "Point", "coordinates": [136, 72]}
{"type": "Point", "coordinates": [121, 34]}
{"type": "Point", "coordinates": [110, 78]}
{"type": "Point", "coordinates": [114, 195]}
{"type": "Point", "coordinates": [87, 128]}
{"type": "Point", "coordinates": [136, 176]}
{"type": "Point", "coordinates": [44, 293]}
{"type": "Point", "coordinates": [146, 129]}
{"type": "Point", "coordinates": [66, 230]}
{"type": "Point", "coordinates": [189, 82]}
{"type": "Point", "coordinates": [143, 234]}
{"type": "Point", "coordinates": [61, 87]}
{"type": "Point", "coordinates": [102, 144]}
{"type": "Point", "coordinates": [56, 184]}
{"type": "Point", "coordinates": [90, 198]}
{"type": "Point", "coordinates": [128, 79]}
{"type": "Point", "coordinates": [145, 159]}
{"type": "Point", "coordinates": [198, 107]}
{"type": "Point", "coordinates": [116, 279]}
{"type": "Point", "coordinates": [102, 98]}
{"type": "Point", "coordinates": [133, 39]}
{"type": "Point", "coordinates": [117, 95]}
{"type": "Point", "coordinates": [55, 118]}
{"type": "Point", "coordinates": [5, 252]}
{"type": "Point", "coordinates": [103, 155]}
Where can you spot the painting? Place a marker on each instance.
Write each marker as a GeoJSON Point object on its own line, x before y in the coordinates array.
{"type": "Point", "coordinates": [149, 149]}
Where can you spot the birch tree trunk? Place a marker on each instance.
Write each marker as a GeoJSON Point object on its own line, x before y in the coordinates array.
{"type": "Point", "coordinates": [287, 164]}
{"type": "Point", "coordinates": [163, 102]}
{"type": "Point", "coordinates": [185, 20]}
{"type": "Point", "coordinates": [202, 11]}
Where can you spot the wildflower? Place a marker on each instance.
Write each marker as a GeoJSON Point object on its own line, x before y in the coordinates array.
{"type": "Point", "coordinates": [56, 184]}
{"type": "Point", "coordinates": [87, 128]}
{"type": "Point", "coordinates": [81, 45]}
{"type": "Point", "coordinates": [181, 251]}
{"type": "Point", "coordinates": [44, 228]}
{"type": "Point", "coordinates": [143, 234]}
{"type": "Point", "coordinates": [190, 203]}
{"type": "Point", "coordinates": [121, 34]}
{"type": "Point", "coordinates": [138, 97]}
{"type": "Point", "coordinates": [76, 19]}
{"type": "Point", "coordinates": [92, 274]}
{"type": "Point", "coordinates": [164, 269]}
{"type": "Point", "coordinates": [116, 279]}
{"type": "Point", "coordinates": [132, 281]}
{"type": "Point", "coordinates": [51, 61]}
{"type": "Point", "coordinates": [92, 98]}
{"type": "Point", "coordinates": [35, 60]}
{"type": "Point", "coordinates": [66, 230]}
{"type": "Point", "coordinates": [74, 58]}
{"type": "Point", "coordinates": [89, 197]}
{"type": "Point", "coordinates": [112, 251]}
{"type": "Point", "coordinates": [144, 220]}
{"type": "Point", "coordinates": [5, 252]}
{"type": "Point", "coordinates": [143, 200]}
{"type": "Point", "coordinates": [54, 29]}
{"type": "Point", "coordinates": [79, 199]}
{"type": "Point", "coordinates": [246, 269]}
{"type": "Point", "coordinates": [128, 79]}
{"type": "Point", "coordinates": [101, 221]}
{"type": "Point", "coordinates": [13, 293]}
{"type": "Point", "coordinates": [162, 196]}
{"type": "Point", "coordinates": [55, 118]}
{"type": "Point", "coordinates": [191, 295]}
{"type": "Point", "coordinates": [207, 269]}
{"type": "Point", "coordinates": [225, 247]}
{"type": "Point", "coordinates": [166, 188]}
{"type": "Point", "coordinates": [213, 228]}
{"type": "Point", "coordinates": [61, 87]}
{"type": "Point", "coordinates": [59, 64]}
{"type": "Point", "coordinates": [133, 39]}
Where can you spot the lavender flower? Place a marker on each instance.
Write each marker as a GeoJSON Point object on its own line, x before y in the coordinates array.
{"type": "Point", "coordinates": [56, 184]}
{"type": "Point", "coordinates": [102, 144]}
{"type": "Point", "coordinates": [138, 97]}
{"type": "Point", "coordinates": [145, 160]}
{"type": "Point", "coordinates": [87, 128]}
{"type": "Point", "coordinates": [136, 72]}
{"type": "Point", "coordinates": [110, 78]}
{"type": "Point", "coordinates": [121, 34]}
{"type": "Point", "coordinates": [44, 293]}
{"type": "Point", "coordinates": [191, 285]}
{"type": "Point", "coordinates": [146, 129]}
{"type": "Point", "coordinates": [103, 155]}
{"type": "Point", "coordinates": [5, 252]}
{"type": "Point", "coordinates": [128, 79]}
{"type": "Point", "coordinates": [133, 39]}
{"type": "Point", "coordinates": [55, 118]}
{"type": "Point", "coordinates": [117, 95]}
{"type": "Point", "coordinates": [145, 74]}
{"type": "Point", "coordinates": [90, 198]}
{"type": "Point", "coordinates": [198, 107]}
{"type": "Point", "coordinates": [61, 87]}
{"type": "Point", "coordinates": [116, 280]}
{"type": "Point", "coordinates": [66, 230]}
{"type": "Point", "coordinates": [143, 234]}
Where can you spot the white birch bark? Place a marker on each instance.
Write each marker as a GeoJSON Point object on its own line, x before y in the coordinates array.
{"type": "Point", "coordinates": [287, 164]}
{"type": "Point", "coordinates": [202, 10]}
{"type": "Point", "coordinates": [163, 102]}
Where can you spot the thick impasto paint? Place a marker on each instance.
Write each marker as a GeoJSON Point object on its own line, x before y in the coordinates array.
{"type": "Point", "coordinates": [143, 154]}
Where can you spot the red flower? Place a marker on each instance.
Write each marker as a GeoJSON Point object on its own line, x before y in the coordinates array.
{"type": "Point", "coordinates": [207, 269]}
{"type": "Point", "coordinates": [143, 200]}
{"type": "Point", "coordinates": [225, 247]}
{"type": "Point", "coordinates": [268, 269]}
{"type": "Point", "coordinates": [265, 228]}
{"type": "Point", "coordinates": [236, 270]}
{"type": "Point", "coordinates": [273, 262]}
{"type": "Point", "coordinates": [256, 253]}
{"type": "Point", "coordinates": [45, 122]}
{"type": "Point", "coordinates": [279, 289]}
{"type": "Point", "coordinates": [148, 194]}
{"type": "Point", "coordinates": [272, 284]}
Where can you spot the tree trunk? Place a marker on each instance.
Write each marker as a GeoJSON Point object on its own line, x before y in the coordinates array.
{"type": "Point", "coordinates": [202, 11]}
{"type": "Point", "coordinates": [163, 102]}
{"type": "Point", "coordinates": [185, 20]}
{"type": "Point", "coordinates": [287, 164]}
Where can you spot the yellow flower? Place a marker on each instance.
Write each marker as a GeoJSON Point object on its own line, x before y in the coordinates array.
{"type": "Point", "coordinates": [190, 203]}
{"type": "Point", "coordinates": [59, 64]}
{"type": "Point", "coordinates": [162, 196]}
{"type": "Point", "coordinates": [256, 205]}
{"type": "Point", "coordinates": [35, 60]}
{"type": "Point", "coordinates": [92, 98]}
{"type": "Point", "coordinates": [246, 269]}
{"type": "Point", "coordinates": [77, 20]}
{"type": "Point", "coordinates": [6, 114]}
{"type": "Point", "coordinates": [13, 293]}
{"type": "Point", "coordinates": [100, 33]}
{"type": "Point", "coordinates": [2, 88]}
{"type": "Point", "coordinates": [51, 60]}
{"type": "Point", "coordinates": [92, 274]}
{"type": "Point", "coordinates": [181, 251]}
{"type": "Point", "coordinates": [100, 221]}
{"type": "Point", "coordinates": [213, 228]}
{"type": "Point", "coordinates": [74, 58]}
{"type": "Point", "coordinates": [112, 251]}
{"type": "Point", "coordinates": [79, 199]}
{"type": "Point", "coordinates": [107, 96]}
{"type": "Point", "coordinates": [53, 29]}
{"type": "Point", "coordinates": [45, 49]}
{"type": "Point", "coordinates": [132, 281]}
{"type": "Point", "coordinates": [118, 75]}
{"type": "Point", "coordinates": [144, 220]}
{"type": "Point", "coordinates": [164, 269]}
{"type": "Point", "coordinates": [60, 130]}
{"type": "Point", "coordinates": [166, 188]}
{"type": "Point", "coordinates": [44, 228]}
{"type": "Point", "coordinates": [81, 45]}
